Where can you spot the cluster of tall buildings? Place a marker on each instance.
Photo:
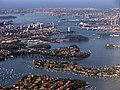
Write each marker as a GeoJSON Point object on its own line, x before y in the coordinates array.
{"type": "Point", "coordinates": [37, 26]}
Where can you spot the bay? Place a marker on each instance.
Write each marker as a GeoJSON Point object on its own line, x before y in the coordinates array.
{"type": "Point", "coordinates": [13, 69]}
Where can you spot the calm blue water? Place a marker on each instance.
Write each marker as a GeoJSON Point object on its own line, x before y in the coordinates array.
{"type": "Point", "coordinates": [13, 69]}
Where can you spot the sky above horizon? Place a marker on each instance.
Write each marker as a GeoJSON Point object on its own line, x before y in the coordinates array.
{"type": "Point", "coordinates": [59, 3]}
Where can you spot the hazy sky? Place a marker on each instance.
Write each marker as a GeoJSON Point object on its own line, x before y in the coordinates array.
{"type": "Point", "coordinates": [59, 3]}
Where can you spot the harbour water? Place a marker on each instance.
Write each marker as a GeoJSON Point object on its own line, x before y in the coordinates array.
{"type": "Point", "coordinates": [13, 69]}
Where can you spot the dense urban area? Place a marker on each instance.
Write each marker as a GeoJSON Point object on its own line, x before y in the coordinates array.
{"type": "Point", "coordinates": [34, 40]}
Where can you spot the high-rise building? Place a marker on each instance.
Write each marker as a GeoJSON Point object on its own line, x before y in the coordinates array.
{"type": "Point", "coordinates": [41, 25]}
{"type": "Point", "coordinates": [69, 29]}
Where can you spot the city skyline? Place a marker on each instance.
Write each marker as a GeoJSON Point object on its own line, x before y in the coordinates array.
{"type": "Point", "coordinates": [59, 4]}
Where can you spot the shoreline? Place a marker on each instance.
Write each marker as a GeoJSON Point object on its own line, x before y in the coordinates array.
{"type": "Point", "coordinates": [46, 82]}
{"type": "Point", "coordinates": [108, 72]}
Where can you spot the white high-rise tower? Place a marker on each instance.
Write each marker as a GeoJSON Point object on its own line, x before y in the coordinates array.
{"type": "Point", "coordinates": [69, 29]}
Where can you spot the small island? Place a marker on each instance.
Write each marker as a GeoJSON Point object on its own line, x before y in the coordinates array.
{"type": "Point", "coordinates": [70, 38]}
{"type": "Point", "coordinates": [76, 38]}
{"type": "Point", "coordinates": [112, 46]}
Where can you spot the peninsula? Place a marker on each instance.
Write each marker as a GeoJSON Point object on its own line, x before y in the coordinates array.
{"type": "Point", "coordinates": [108, 72]}
{"type": "Point", "coordinates": [45, 82]}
